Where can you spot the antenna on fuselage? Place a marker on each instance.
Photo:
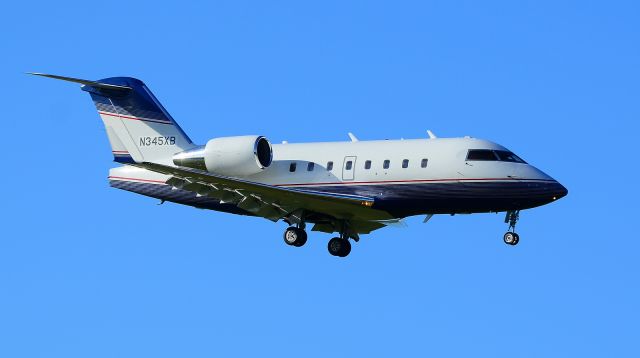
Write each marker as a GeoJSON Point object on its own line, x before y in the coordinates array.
{"type": "Point", "coordinates": [353, 138]}
{"type": "Point", "coordinates": [431, 135]}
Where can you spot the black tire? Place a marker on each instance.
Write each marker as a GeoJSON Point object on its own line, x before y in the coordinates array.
{"type": "Point", "coordinates": [302, 238]}
{"type": "Point", "coordinates": [509, 238]}
{"type": "Point", "coordinates": [335, 246]}
{"type": "Point", "coordinates": [346, 248]}
{"type": "Point", "coordinates": [516, 239]}
{"type": "Point", "coordinates": [339, 247]}
{"type": "Point", "coordinates": [294, 236]}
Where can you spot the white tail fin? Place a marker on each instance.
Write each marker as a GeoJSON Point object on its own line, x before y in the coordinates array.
{"type": "Point", "coordinates": [138, 127]}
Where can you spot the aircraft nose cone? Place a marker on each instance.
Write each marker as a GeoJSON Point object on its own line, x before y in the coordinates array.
{"type": "Point", "coordinates": [558, 190]}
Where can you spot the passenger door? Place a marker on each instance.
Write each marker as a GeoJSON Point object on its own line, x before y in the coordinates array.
{"type": "Point", "coordinates": [349, 168]}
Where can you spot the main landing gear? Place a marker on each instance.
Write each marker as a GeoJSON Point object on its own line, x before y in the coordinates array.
{"type": "Point", "coordinates": [295, 236]}
{"type": "Point", "coordinates": [338, 246]}
{"type": "Point", "coordinates": [510, 237]}
{"type": "Point", "coordinates": [341, 246]}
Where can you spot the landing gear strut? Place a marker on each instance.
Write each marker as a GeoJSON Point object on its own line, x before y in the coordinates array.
{"type": "Point", "coordinates": [295, 236]}
{"type": "Point", "coordinates": [510, 237]}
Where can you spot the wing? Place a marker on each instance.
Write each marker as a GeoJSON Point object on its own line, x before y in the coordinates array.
{"type": "Point", "coordinates": [330, 211]}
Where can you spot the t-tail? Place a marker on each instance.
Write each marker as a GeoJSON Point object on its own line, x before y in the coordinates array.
{"type": "Point", "coordinates": [138, 126]}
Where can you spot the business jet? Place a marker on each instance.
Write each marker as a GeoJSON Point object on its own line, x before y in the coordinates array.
{"type": "Point", "coordinates": [350, 188]}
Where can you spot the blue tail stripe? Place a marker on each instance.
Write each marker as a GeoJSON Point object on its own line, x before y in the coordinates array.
{"type": "Point", "coordinates": [123, 158]}
{"type": "Point", "coordinates": [137, 102]}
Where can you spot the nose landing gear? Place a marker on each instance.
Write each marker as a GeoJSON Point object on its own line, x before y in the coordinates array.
{"type": "Point", "coordinates": [510, 237]}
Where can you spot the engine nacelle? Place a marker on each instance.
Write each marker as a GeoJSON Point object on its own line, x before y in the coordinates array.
{"type": "Point", "coordinates": [232, 156]}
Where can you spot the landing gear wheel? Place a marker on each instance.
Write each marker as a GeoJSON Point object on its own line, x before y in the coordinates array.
{"type": "Point", "coordinates": [295, 236]}
{"type": "Point", "coordinates": [511, 238]}
{"type": "Point", "coordinates": [339, 247]}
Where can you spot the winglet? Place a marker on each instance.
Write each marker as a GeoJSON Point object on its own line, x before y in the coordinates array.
{"type": "Point", "coordinates": [82, 82]}
{"type": "Point", "coordinates": [353, 138]}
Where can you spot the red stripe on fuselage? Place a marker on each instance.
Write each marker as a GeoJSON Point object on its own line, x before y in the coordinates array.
{"type": "Point", "coordinates": [412, 181]}
{"type": "Point", "coordinates": [363, 182]}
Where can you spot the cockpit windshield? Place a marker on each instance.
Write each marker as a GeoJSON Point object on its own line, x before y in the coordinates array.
{"type": "Point", "coordinates": [507, 156]}
{"type": "Point", "coordinates": [493, 155]}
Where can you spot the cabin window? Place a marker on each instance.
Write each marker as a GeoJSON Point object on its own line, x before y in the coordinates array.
{"type": "Point", "coordinates": [405, 163]}
{"type": "Point", "coordinates": [310, 166]}
{"type": "Point", "coordinates": [292, 167]}
{"type": "Point", "coordinates": [330, 166]}
{"type": "Point", "coordinates": [424, 162]}
{"type": "Point", "coordinates": [386, 163]}
{"type": "Point", "coordinates": [349, 165]}
{"type": "Point", "coordinates": [481, 154]}
{"type": "Point", "coordinates": [367, 164]}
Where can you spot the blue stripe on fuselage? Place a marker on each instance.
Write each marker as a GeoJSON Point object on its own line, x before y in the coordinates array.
{"type": "Point", "coordinates": [398, 199]}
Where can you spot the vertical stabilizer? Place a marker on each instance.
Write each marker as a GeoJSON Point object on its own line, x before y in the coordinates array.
{"type": "Point", "coordinates": [137, 125]}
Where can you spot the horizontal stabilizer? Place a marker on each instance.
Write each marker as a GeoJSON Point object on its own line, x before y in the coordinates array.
{"type": "Point", "coordinates": [84, 82]}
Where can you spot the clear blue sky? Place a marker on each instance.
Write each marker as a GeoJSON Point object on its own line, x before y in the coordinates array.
{"type": "Point", "coordinates": [90, 271]}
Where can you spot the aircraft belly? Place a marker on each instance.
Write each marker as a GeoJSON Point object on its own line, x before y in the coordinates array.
{"type": "Point", "coordinates": [452, 197]}
{"type": "Point", "coordinates": [400, 200]}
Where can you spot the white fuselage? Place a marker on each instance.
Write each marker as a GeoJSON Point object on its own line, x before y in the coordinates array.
{"type": "Point", "coordinates": [445, 160]}
{"type": "Point", "coordinates": [448, 183]}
